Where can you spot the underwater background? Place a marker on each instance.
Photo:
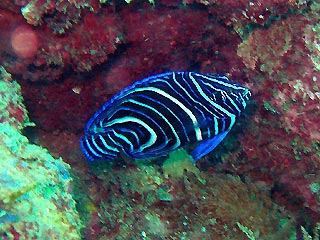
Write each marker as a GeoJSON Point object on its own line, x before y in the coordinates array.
{"type": "Point", "coordinates": [62, 60]}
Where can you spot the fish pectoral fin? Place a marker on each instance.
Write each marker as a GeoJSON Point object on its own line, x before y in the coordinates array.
{"type": "Point", "coordinates": [206, 146]}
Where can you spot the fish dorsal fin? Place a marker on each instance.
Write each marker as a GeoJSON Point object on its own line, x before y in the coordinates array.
{"type": "Point", "coordinates": [206, 146]}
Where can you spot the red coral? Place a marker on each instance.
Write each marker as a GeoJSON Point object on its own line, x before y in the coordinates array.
{"type": "Point", "coordinates": [281, 142]}
{"type": "Point", "coordinates": [88, 45]}
{"type": "Point", "coordinates": [62, 13]}
{"type": "Point", "coordinates": [93, 41]}
{"type": "Point", "coordinates": [239, 13]}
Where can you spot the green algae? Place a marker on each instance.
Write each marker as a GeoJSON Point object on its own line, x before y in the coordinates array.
{"type": "Point", "coordinates": [32, 187]}
{"type": "Point", "coordinates": [143, 203]}
{"type": "Point", "coordinates": [178, 162]}
{"type": "Point", "coordinates": [268, 106]}
{"type": "Point", "coordinates": [248, 232]}
{"type": "Point", "coordinates": [315, 188]}
{"type": "Point", "coordinates": [35, 195]}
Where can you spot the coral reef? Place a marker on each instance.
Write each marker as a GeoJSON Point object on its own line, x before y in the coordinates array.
{"type": "Point", "coordinates": [86, 51]}
{"type": "Point", "coordinates": [283, 137]}
{"type": "Point", "coordinates": [151, 42]}
{"type": "Point", "coordinates": [139, 202]}
{"type": "Point", "coordinates": [12, 109]}
{"type": "Point", "coordinates": [87, 45]}
{"type": "Point", "coordinates": [35, 188]}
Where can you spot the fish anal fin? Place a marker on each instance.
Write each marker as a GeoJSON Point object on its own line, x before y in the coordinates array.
{"type": "Point", "coordinates": [206, 146]}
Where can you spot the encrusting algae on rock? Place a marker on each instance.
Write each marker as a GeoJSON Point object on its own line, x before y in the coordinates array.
{"type": "Point", "coordinates": [178, 163]}
{"type": "Point", "coordinates": [35, 199]}
{"type": "Point", "coordinates": [139, 202]}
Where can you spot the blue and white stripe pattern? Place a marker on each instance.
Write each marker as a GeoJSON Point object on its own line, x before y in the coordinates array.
{"type": "Point", "coordinates": [164, 112]}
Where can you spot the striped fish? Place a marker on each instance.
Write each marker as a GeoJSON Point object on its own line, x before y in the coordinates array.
{"type": "Point", "coordinates": [165, 112]}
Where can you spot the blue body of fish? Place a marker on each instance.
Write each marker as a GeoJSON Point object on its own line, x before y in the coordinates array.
{"type": "Point", "coordinates": [165, 112]}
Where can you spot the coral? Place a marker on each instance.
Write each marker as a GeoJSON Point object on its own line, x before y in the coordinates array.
{"type": "Point", "coordinates": [35, 191]}
{"type": "Point", "coordinates": [152, 45]}
{"type": "Point", "coordinates": [89, 50]}
{"type": "Point", "coordinates": [271, 58]}
{"type": "Point", "coordinates": [64, 13]}
{"type": "Point", "coordinates": [35, 188]}
{"type": "Point", "coordinates": [281, 143]}
{"type": "Point", "coordinates": [89, 44]}
{"type": "Point", "coordinates": [12, 109]}
{"type": "Point", "coordinates": [312, 36]}
{"type": "Point", "coordinates": [245, 13]}
{"type": "Point", "coordinates": [139, 202]}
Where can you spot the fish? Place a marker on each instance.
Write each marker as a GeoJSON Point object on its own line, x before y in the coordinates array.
{"type": "Point", "coordinates": [162, 113]}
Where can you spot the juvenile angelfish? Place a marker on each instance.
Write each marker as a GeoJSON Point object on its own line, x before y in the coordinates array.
{"type": "Point", "coordinates": [165, 112]}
